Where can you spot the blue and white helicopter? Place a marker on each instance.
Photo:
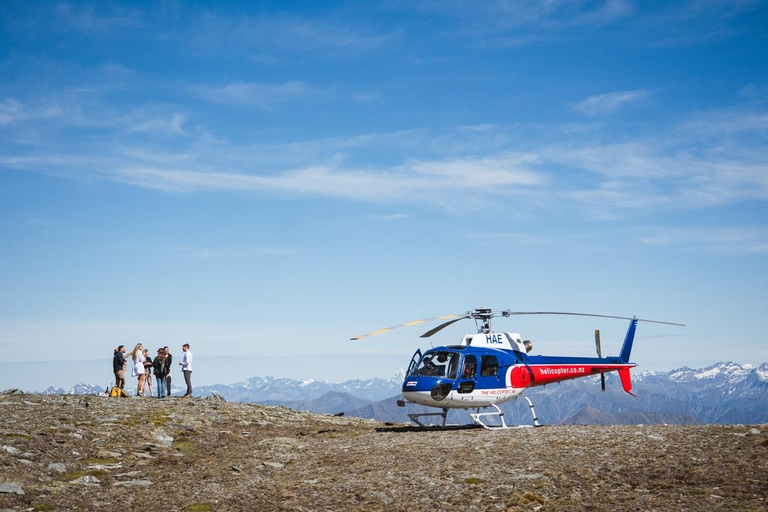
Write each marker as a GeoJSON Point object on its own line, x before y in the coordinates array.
{"type": "Point", "coordinates": [490, 368]}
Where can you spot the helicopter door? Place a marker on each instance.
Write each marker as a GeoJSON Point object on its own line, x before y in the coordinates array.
{"type": "Point", "coordinates": [414, 361]}
{"type": "Point", "coordinates": [468, 374]}
{"type": "Point", "coordinates": [489, 373]}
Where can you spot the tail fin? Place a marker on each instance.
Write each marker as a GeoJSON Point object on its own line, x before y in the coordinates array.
{"type": "Point", "coordinates": [627, 347]}
{"type": "Point", "coordinates": [626, 383]}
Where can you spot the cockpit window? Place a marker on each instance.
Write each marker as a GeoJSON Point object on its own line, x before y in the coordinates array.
{"type": "Point", "coordinates": [438, 364]}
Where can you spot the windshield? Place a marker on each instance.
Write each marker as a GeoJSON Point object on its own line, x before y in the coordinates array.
{"type": "Point", "coordinates": [438, 364]}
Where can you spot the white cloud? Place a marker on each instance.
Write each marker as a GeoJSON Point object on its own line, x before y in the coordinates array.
{"type": "Point", "coordinates": [172, 124]}
{"type": "Point", "coordinates": [416, 181]}
{"type": "Point", "coordinates": [728, 240]}
{"type": "Point", "coordinates": [392, 216]}
{"type": "Point", "coordinates": [260, 95]}
{"type": "Point", "coordinates": [12, 111]}
{"type": "Point", "coordinates": [610, 102]}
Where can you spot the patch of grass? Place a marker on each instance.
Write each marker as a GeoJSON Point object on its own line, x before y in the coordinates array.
{"type": "Point", "coordinates": [74, 475]}
{"type": "Point", "coordinates": [22, 436]}
{"type": "Point", "coordinates": [475, 481]}
{"type": "Point", "coordinates": [183, 445]}
{"type": "Point", "coordinates": [159, 419]}
{"type": "Point", "coordinates": [43, 507]}
{"type": "Point", "coordinates": [199, 507]}
{"type": "Point", "coordinates": [530, 497]}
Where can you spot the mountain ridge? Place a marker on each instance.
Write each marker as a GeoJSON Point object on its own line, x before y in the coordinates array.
{"type": "Point", "coordinates": [725, 392]}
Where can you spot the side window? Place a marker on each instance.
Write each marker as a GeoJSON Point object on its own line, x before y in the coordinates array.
{"type": "Point", "coordinates": [489, 366]}
{"type": "Point", "coordinates": [469, 369]}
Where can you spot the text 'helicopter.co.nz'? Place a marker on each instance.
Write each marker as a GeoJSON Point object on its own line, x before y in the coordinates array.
{"type": "Point", "coordinates": [490, 368]}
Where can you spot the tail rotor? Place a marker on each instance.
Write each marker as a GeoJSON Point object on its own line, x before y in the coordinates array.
{"type": "Point", "coordinates": [600, 355]}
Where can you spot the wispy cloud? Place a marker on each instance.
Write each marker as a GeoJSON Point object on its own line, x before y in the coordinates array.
{"type": "Point", "coordinates": [391, 216]}
{"type": "Point", "coordinates": [12, 110]}
{"type": "Point", "coordinates": [98, 17]}
{"type": "Point", "coordinates": [276, 35]}
{"type": "Point", "coordinates": [719, 240]}
{"type": "Point", "coordinates": [610, 102]}
{"type": "Point", "coordinates": [260, 95]}
{"type": "Point", "coordinates": [418, 181]}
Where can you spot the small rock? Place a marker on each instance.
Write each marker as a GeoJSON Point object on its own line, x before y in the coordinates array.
{"type": "Point", "coordinates": [163, 438]}
{"type": "Point", "coordinates": [144, 456]}
{"type": "Point", "coordinates": [12, 450]}
{"type": "Point", "coordinates": [381, 496]}
{"type": "Point", "coordinates": [10, 488]}
{"type": "Point", "coordinates": [276, 465]}
{"type": "Point", "coordinates": [57, 466]}
{"type": "Point", "coordinates": [134, 483]}
{"type": "Point", "coordinates": [528, 476]}
{"type": "Point", "coordinates": [130, 473]}
{"type": "Point", "coordinates": [26, 462]}
{"type": "Point", "coordinates": [87, 480]}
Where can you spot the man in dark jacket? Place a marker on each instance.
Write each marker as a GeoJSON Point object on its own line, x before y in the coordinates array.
{"type": "Point", "coordinates": [118, 365]}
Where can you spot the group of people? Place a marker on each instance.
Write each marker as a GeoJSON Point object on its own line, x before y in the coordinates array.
{"type": "Point", "coordinates": [144, 366]}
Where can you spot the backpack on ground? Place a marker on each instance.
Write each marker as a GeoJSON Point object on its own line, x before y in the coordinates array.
{"type": "Point", "coordinates": [115, 391]}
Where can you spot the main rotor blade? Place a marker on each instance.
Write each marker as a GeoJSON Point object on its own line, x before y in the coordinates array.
{"type": "Point", "coordinates": [443, 326]}
{"type": "Point", "coordinates": [408, 324]}
{"type": "Point", "coordinates": [509, 313]}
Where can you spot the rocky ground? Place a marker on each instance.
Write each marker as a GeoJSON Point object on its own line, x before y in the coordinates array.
{"type": "Point", "coordinates": [100, 453]}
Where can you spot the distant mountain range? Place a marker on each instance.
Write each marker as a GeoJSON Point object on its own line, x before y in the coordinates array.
{"type": "Point", "coordinates": [725, 392]}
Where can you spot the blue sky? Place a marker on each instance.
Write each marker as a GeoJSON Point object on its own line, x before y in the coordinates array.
{"type": "Point", "coordinates": [268, 180]}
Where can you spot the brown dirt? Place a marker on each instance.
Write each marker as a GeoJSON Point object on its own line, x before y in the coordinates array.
{"type": "Point", "coordinates": [233, 456]}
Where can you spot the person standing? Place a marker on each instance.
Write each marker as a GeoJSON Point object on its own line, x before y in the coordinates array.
{"type": "Point", "coordinates": [147, 370]}
{"type": "Point", "coordinates": [168, 363]}
{"type": "Point", "coordinates": [160, 370]}
{"type": "Point", "coordinates": [138, 367]}
{"type": "Point", "coordinates": [118, 365]}
{"type": "Point", "coordinates": [186, 368]}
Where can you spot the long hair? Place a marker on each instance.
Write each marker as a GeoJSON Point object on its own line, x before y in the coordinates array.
{"type": "Point", "coordinates": [135, 351]}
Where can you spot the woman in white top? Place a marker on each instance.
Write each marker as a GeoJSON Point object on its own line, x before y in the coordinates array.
{"type": "Point", "coordinates": [138, 367]}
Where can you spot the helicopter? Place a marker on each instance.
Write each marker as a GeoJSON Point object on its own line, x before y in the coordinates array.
{"type": "Point", "coordinates": [489, 368]}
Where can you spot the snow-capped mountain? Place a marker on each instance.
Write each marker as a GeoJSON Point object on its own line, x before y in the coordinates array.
{"type": "Point", "coordinates": [85, 389]}
{"type": "Point", "coordinates": [264, 389]}
{"type": "Point", "coordinates": [725, 392]}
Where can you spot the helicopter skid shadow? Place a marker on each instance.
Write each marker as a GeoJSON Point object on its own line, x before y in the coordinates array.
{"type": "Point", "coordinates": [429, 428]}
{"type": "Point", "coordinates": [439, 428]}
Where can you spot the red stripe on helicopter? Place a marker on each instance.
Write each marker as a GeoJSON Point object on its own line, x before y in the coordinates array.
{"type": "Point", "coordinates": [523, 376]}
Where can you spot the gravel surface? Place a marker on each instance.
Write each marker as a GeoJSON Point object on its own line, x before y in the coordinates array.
{"type": "Point", "coordinates": [100, 453]}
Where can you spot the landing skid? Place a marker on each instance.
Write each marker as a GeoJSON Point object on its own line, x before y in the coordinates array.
{"type": "Point", "coordinates": [415, 417]}
{"type": "Point", "coordinates": [478, 417]}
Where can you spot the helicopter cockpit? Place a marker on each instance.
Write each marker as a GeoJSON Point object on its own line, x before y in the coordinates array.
{"type": "Point", "coordinates": [438, 363]}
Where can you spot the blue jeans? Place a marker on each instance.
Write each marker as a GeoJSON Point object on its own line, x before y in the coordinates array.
{"type": "Point", "coordinates": [160, 381]}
